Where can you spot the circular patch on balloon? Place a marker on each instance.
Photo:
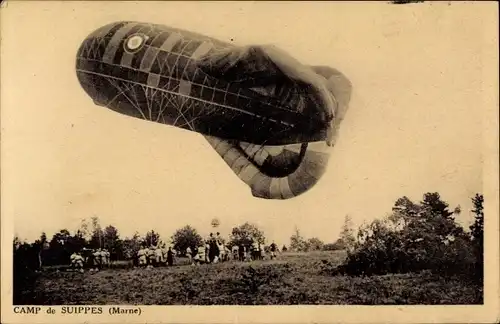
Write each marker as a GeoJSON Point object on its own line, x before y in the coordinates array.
{"type": "Point", "coordinates": [135, 42]}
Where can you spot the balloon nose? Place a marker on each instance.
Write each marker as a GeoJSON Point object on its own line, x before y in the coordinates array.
{"type": "Point", "coordinates": [89, 59]}
{"type": "Point", "coordinates": [94, 45]}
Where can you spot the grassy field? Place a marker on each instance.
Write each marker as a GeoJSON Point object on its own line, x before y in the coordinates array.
{"type": "Point", "coordinates": [294, 278]}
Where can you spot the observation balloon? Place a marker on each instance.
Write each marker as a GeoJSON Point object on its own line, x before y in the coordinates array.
{"type": "Point", "coordinates": [272, 119]}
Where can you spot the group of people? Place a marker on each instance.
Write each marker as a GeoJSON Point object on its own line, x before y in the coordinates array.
{"type": "Point", "coordinates": [94, 259]}
{"type": "Point", "coordinates": [155, 256]}
{"type": "Point", "coordinates": [97, 259]}
{"type": "Point", "coordinates": [254, 251]}
{"type": "Point", "coordinates": [213, 250]}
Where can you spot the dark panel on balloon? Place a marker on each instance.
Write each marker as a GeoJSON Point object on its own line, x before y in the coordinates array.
{"type": "Point", "coordinates": [219, 96]}
{"type": "Point", "coordinates": [189, 71]}
{"type": "Point", "coordinates": [170, 64]}
{"type": "Point", "coordinates": [179, 46]}
{"type": "Point", "coordinates": [168, 84]}
{"type": "Point", "coordinates": [121, 48]}
{"type": "Point", "coordinates": [207, 94]}
{"type": "Point", "coordinates": [160, 39]}
{"type": "Point", "coordinates": [182, 61]}
{"type": "Point", "coordinates": [195, 91]}
{"type": "Point", "coordinates": [191, 47]}
{"type": "Point", "coordinates": [159, 63]}
{"type": "Point", "coordinates": [137, 59]}
{"type": "Point", "coordinates": [198, 76]}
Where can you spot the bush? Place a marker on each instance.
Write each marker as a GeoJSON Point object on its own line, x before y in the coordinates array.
{"type": "Point", "coordinates": [333, 246]}
{"type": "Point", "coordinates": [416, 237]}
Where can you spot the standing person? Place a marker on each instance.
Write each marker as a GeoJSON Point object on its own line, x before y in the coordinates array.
{"type": "Point", "coordinates": [253, 250]}
{"type": "Point", "coordinates": [103, 258]}
{"type": "Point", "coordinates": [170, 257]}
{"type": "Point", "coordinates": [207, 251]}
{"type": "Point", "coordinates": [248, 253]}
{"type": "Point", "coordinates": [235, 251]}
{"type": "Point", "coordinates": [106, 258]}
{"type": "Point", "coordinates": [97, 260]}
{"type": "Point", "coordinates": [79, 262]}
{"type": "Point", "coordinates": [227, 253]}
{"type": "Point", "coordinates": [152, 256]}
{"type": "Point", "coordinates": [200, 255]}
{"type": "Point", "coordinates": [273, 249]}
{"type": "Point", "coordinates": [241, 252]}
{"type": "Point", "coordinates": [72, 260]}
{"type": "Point", "coordinates": [220, 247]}
{"type": "Point", "coordinates": [213, 251]}
{"type": "Point", "coordinates": [164, 254]}
{"type": "Point", "coordinates": [88, 258]}
{"type": "Point", "coordinates": [158, 256]}
{"type": "Point", "coordinates": [189, 254]}
{"type": "Point", "coordinates": [142, 256]}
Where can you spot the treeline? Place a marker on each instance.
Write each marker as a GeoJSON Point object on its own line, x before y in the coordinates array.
{"type": "Point", "coordinates": [417, 236]}
{"type": "Point", "coordinates": [299, 243]}
{"type": "Point", "coordinates": [91, 235]}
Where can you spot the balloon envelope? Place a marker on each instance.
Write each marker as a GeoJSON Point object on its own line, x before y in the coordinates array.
{"type": "Point", "coordinates": [268, 116]}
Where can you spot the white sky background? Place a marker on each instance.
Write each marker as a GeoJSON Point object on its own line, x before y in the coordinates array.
{"type": "Point", "coordinates": [414, 123]}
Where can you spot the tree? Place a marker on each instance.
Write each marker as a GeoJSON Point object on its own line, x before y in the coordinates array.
{"type": "Point", "coordinates": [96, 239]}
{"type": "Point", "coordinates": [246, 234]}
{"type": "Point", "coordinates": [77, 242]}
{"type": "Point", "coordinates": [85, 229]}
{"type": "Point", "coordinates": [477, 228]}
{"type": "Point", "coordinates": [404, 210]}
{"type": "Point", "coordinates": [477, 235]}
{"type": "Point", "coordinates": [131, 246]}
{"type": "Point", "coordinates": [347, 238]}
{"type": "Point", "coordinates": [25, 262]}
{"type": "Point", "coordinates": [415, 237]}
{"type": "Point", "coordinates": [152, 238]}
{"type": "Point", "coordinates": [437, 212]}
{"type": "Point", "coordinates": [186, 237]}
{"type": "Point", "coordinates": [60, 250]}
{"type": "Point", "coordinates": [41, 245]}
{"type": "Point", "coordinates": [435, 205]}
{"type": "Point", "coordinates": [112, 242]}
{"type": "Point", "coordinates": [43, 238]}
{"type": "Point", "coordinates": [17, 242]}
{"type": "Point", "coordinates": [315, 244]}
{"type": "Point", "coordinates": [297, 242]}
{"type": "Point", "coordinates": [61, 237]}
{"type": "Point", "coordinates": [430, 220]}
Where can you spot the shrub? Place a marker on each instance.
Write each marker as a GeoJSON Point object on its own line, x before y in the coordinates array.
{"type": "Point", "coordinates": [333, 246]}
{"type": "Point", "coordinates": [416, 237]}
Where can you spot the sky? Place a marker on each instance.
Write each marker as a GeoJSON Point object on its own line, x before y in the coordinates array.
{"type": "Point", "coordinates": [414, 124]}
